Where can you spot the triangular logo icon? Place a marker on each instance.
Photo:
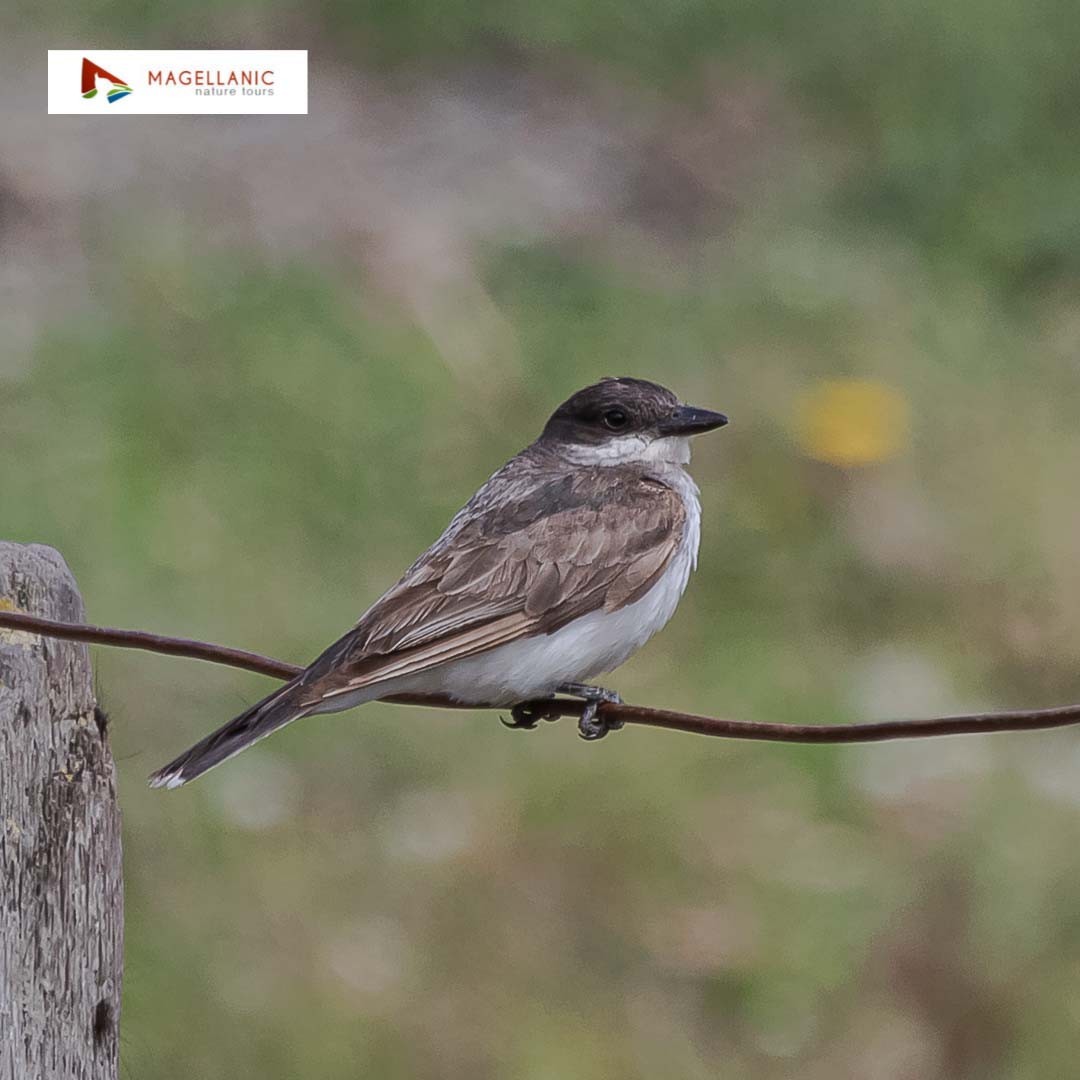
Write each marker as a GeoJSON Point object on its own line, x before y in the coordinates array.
{"type": "Point", "coordinates": [90, 73]}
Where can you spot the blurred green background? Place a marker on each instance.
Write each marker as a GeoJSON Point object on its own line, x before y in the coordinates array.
{"type": "Point", "coordinates": [251, 366]}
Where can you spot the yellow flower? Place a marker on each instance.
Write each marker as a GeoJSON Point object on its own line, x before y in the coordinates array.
{"type": "Point", "coordinates": [850, 422]}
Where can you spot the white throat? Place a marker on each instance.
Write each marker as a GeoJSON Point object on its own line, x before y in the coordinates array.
{"type": "Point", "coordinates": [632, 450]}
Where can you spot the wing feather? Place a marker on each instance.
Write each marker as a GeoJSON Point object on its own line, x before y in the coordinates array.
{"type": "Point", "coordinates": [526, 557]}
{"type": "Point", "coordinates": [410, 662]}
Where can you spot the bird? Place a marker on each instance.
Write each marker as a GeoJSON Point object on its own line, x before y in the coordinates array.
{"type": "Point", "coordinates": [564, 563]}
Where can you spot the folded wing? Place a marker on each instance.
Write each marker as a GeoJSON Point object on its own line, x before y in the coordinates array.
{"type": "Point", "coordinates": [524, 566]}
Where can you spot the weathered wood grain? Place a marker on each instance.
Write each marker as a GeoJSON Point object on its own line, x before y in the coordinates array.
{"type": "Point", "coordinates": [61, 900]}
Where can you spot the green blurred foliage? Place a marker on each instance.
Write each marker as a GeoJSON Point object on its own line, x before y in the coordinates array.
{"type": "Point", "coordinates": [249, 449]}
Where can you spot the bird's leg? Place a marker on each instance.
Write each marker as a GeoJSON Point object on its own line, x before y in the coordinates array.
{"type": "Point", "coordinates": [527, 714]}
{"type": "Point", "coordinates": [591, 726]}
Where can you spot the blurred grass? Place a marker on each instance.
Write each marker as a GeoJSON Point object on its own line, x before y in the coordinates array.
{"type": "Point", "coordinates": [959, 119]}
{"type": "Point", "coordinates": [250, 449]}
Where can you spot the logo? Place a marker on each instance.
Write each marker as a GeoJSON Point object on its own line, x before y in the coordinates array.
{"type": "Point", "coordinates": [178, 82]}
{"type": "Point", "coordinates": [90, 73]}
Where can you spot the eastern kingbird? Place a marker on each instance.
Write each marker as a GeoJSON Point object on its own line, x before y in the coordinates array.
{"type": "Point", "coordinates": [563, 564]}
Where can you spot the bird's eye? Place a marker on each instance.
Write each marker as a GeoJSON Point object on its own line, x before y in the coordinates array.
{"type": "Point", "coordinates": [615, 419]}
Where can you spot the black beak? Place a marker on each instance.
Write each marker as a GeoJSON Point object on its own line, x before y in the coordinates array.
{"type": "Point", "coordinates": [686, 420]}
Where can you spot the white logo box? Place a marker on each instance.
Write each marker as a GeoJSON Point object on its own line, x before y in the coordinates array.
{"type": "Point", "coordinates": [173, 82]}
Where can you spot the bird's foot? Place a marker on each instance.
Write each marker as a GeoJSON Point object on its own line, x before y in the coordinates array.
{"type": "Point", "coordinates": [527, 714]}
{"type": "Point", "coordinates": [590, 725]}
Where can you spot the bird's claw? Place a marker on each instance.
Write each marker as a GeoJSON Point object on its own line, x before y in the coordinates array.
{"type": "Point", "coordinates": [592, 725]}
{"type": "Point", "coordinates": [527, 714]}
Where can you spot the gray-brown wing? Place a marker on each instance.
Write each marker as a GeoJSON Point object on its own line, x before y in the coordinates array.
{"type": "Point", "coordinates": [517, 569]}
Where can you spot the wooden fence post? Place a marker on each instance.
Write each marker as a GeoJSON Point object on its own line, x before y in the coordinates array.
{"type": "Point", "coordinates": [61, 889]}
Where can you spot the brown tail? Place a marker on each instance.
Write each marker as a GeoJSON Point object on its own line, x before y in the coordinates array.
{"type": "Point", "coordinates": [273, 712]}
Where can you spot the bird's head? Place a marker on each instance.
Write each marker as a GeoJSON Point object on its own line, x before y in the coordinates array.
{"type": "Point", "coordinates": [620, 421]}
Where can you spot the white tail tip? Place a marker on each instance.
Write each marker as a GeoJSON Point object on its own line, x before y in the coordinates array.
{"type": "Point", "coordinates": [166, 780]}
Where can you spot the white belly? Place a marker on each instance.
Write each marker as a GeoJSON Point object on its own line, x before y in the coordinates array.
{"type": "Point", "coordinates": [589, 646]}
{"type": "Point", "coordinates": [581, 650]}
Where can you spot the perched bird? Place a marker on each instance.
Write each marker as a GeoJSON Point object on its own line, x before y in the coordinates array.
{"type": "Point", "coordinates": [564, 563]}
